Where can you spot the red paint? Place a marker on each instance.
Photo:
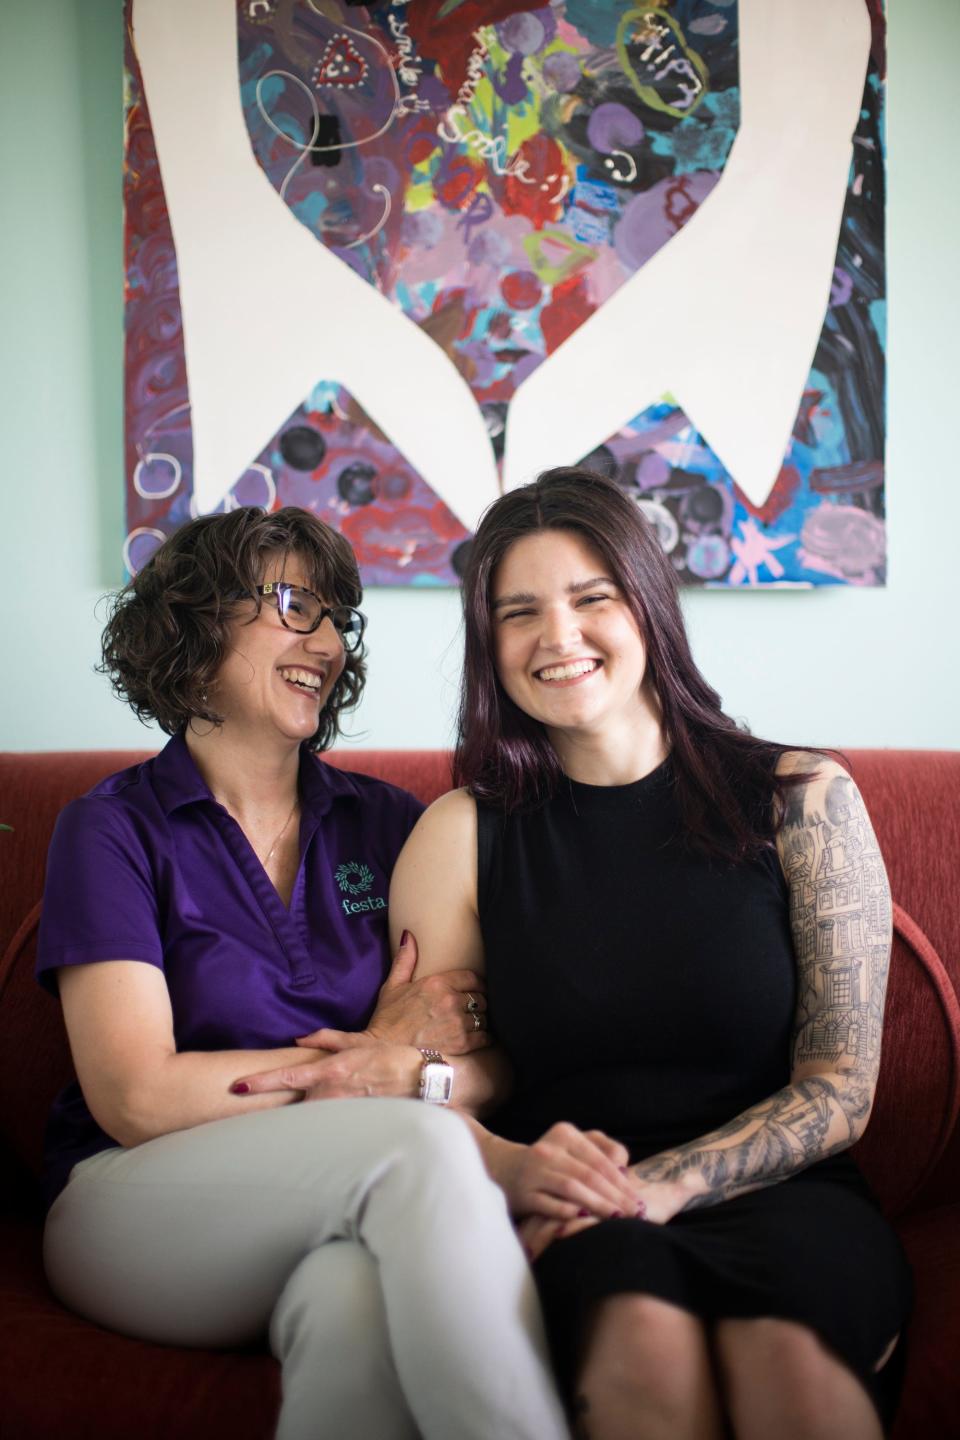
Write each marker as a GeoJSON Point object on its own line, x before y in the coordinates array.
{"type": "Point", "coordinates": [459, 180]}
{"type": "Point", "coordinates": [421, 148]}
{"type": "Point", "coordinates": [781, 497]}
{"type": "Point", "coordinates": [521, 289]}
{"type": "Point", "coordinates": [538, 191]}
{"type": "Point", "coordinates": [341, 64]}
{"type": "Point", "coordinates": [679, 204]}
{"type": "Point", "coordinates": [567, 311]}
{"type": "Point", "coordinates": [451, 41]}
{"type": "Point", "coordinates": [414, 535]}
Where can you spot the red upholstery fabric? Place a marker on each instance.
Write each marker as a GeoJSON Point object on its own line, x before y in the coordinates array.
{"type": "Point", "coordinates": [914, 799]}
{"type": "Point", "coordinates": [62, 1376]}
{"type": "Point", "coordinates": [911, 1125]}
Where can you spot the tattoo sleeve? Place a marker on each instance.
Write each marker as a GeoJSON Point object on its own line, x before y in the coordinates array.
{"type": "Point", "coordinates": [840, 918]}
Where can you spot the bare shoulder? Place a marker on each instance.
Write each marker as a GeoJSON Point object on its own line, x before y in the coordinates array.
{"type": "Point", "coordinates": [810, 762]}
{"type": "Point", "coordinates": [433, 892]}
{"type": "Point", "coordinates": [821, 814]}
{"type": "Point", "coordinates": [440, 854]}
{"type": "Point", "coordinates": [449, 821]}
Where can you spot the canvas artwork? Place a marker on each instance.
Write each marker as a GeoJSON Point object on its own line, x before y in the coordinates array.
{"type": "Point", "coordinates": [385, 262]}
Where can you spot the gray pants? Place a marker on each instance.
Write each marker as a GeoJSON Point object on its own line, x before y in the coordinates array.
{"type": "Point", "coordinates": [363, 1235]}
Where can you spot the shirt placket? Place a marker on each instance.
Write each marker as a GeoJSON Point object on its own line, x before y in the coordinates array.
{"type": "Point", "coordinates": [288, 926]}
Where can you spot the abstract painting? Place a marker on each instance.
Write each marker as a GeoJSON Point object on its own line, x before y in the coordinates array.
{"type": "Point", "coordinates": [388, 261]}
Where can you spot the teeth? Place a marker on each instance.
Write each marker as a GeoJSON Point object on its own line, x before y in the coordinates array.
{"type": "Point", "coordinates": [304, 678]}
{"type": "Point", "coordinates": [567, 672]}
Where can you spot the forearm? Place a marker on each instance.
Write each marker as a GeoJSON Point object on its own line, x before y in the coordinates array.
{"type": "Point", "coordinates": [792, 1129]}
{"type": "Point", "coordinates": [188, 1088]}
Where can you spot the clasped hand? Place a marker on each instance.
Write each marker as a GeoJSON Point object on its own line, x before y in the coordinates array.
{"type": "Point", "coordinates": [384, 1058]}
{"type": "Point", "coordinates": [571, 1179]}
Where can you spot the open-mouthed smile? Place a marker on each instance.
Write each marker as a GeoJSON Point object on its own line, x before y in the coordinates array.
{"type": "Point", "coordinates": [567, 674]}
{"type": "Point", "coordinates": [308, 681]}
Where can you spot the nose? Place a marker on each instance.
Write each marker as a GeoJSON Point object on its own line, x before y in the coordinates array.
{"type": "Point", "coordinates": [325, 640]}
{"type": "Point", "coordinates": [560, 628]}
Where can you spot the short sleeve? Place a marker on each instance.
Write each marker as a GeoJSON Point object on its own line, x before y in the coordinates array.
{"type": "Point", "coordinates": [99, 900]}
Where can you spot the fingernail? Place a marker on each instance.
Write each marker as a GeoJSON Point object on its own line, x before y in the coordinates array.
{"type": "Point", "coordinates": [617, 1215]}
{"type": "Point", "coordinates": [624, 1170]}
{"type": "Point", "coordinates": [240, 1088]}
{"type": "Point", "coordinates": [582, 1214]}
{"type": "Point", "coordinates": [404, 937]}
{"type": "Point", "coordinates": [641, 1210]}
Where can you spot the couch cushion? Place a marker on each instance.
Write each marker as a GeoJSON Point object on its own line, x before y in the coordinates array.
{"type": "Point", "coordinates": [60, 1375]}
{"type": "Point", "coordinates": [918, 1092]}
{"type": "Point", "coordinates": [930, 1408]}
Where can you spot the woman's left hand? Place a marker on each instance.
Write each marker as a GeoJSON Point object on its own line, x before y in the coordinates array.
{"type": "Point", "coordinates": [356, 1068]}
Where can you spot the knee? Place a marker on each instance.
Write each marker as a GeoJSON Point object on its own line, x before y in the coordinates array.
{"type": "Point", "coordinates": [749, 1351]}
{"type": "Point", "coordinates": [431, 1140]}
{"type": "Point", "coordinates": [645, 1351]}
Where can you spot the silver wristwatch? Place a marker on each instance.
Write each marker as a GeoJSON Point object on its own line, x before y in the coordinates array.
{"type": "Point", "coordinates": [436, 1078]}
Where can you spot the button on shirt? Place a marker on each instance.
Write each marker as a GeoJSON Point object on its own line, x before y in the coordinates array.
{"type": "Point", "coordinates": [148, 866]}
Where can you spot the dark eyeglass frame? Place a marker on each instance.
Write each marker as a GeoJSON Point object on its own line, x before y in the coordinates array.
{"type": "Point", "coordinates": [350, 631]}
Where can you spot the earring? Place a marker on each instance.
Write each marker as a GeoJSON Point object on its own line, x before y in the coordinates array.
{"type": "Point", "coordinates": [203, 697]}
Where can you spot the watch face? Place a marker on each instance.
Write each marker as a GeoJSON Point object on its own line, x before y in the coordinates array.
{"type": "Point", "coordinates": [437, 1084]}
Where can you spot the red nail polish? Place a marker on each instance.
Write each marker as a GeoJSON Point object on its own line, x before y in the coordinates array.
{"type": "Point", "coordinates": [617, 1215]}
{"type": "Point", "coordinates": [624, 1170]}
{"type": "Point", "coordinates": [582, 1214]}
{"type": "Point", "coordinates": [241, 1088]}
{"type": "Point", "coordinates": [404, 937]}
{"type": "Point", "coordinates": [641, 1210]}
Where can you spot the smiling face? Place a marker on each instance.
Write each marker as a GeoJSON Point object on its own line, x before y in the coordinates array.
{"type": "Point", "coordinates": [567, 646]}
{"type": "Point", "coordinates": [273, 682]}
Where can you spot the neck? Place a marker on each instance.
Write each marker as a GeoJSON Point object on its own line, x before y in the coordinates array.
{"type": "Point", "coordinates": [616, 753]}
{"type": "Point", "coordinates": [248, 779]}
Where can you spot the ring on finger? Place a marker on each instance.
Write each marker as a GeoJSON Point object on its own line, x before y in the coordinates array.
{"type": "Point", "coordinates": [473, 1004]}
{"type": "Point", "coordinates": [477, 1021]}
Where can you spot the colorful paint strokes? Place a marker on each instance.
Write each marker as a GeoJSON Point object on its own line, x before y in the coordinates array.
{"type": "Point", "coordinates": [498, 174]}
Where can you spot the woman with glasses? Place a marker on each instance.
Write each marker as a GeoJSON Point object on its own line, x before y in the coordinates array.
{"type": "Point", "coordinates": [203, 912]}
{"type": "Point", "coordinates": [685, 932]}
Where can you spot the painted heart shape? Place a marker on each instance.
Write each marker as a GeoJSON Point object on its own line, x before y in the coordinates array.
{"type": "Point", "coordinates": [507, 226]}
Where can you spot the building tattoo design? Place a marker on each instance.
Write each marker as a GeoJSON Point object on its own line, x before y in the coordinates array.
{"type": "Point", "coordinates": [840, 914]}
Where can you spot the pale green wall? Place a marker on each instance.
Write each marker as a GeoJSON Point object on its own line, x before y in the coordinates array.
{"type": "Point", "coordinates": [837, 666]}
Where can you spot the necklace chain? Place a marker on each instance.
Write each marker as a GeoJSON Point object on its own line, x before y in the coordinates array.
{"type": "Point", "coordinates": [283, 830]}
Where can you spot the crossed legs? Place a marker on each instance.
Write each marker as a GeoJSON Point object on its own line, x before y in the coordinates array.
{"type": "Point", "coordinates": [364, 1234]}
{"type": "Point", "coordinates": [652, 1372]}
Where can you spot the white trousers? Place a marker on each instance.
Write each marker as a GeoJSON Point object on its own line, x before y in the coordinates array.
{"type": "Point", "coordinates": [364, 1236]}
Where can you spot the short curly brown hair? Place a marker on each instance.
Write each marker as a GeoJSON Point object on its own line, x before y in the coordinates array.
{"type": "Point", "coordinates": [167, 632]}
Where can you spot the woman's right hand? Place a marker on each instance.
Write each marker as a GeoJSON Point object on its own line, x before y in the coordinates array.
{"type": "Point", "coordinates": [564, 1175]}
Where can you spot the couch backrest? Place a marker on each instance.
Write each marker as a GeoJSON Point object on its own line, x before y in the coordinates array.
{"type": "Point", "coordinates": [911, 1150]}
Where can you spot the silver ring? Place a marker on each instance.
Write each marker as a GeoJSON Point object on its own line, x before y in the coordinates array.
{"type": "Point", "coordinates": [473, 1004]}
{"type": "Point", "coordinates": [477, 1021]}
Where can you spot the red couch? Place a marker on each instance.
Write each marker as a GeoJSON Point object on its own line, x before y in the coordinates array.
{"type": "Point", "coordinates": [60, 1376]}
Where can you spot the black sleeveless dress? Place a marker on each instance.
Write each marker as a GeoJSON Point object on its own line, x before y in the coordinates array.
{"type": "Point", "coordinates": [643, 989]}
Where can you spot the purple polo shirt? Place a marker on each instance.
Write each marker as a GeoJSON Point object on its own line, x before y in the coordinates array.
{"type": "Point", "coordinates": [148, 866]}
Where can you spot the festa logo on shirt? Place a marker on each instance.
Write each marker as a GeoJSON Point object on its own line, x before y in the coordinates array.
{"type": "Point", "coordinates": [354, 878]}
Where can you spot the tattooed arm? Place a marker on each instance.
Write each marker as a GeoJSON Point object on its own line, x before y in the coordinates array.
{"type": "Point", "coordinates": [840, 916]}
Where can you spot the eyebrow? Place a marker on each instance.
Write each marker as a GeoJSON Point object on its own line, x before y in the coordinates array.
{"type": "Point", "coordinates": [524, 597]}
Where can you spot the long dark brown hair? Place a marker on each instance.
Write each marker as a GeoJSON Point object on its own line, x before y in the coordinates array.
{"type": "Point", "coordinates": [167, 632]}
{"type": "Point", "coordinates": [724, 776]}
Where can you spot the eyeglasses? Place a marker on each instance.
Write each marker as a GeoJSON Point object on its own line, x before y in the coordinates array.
{"type": "Point", "coordinates": [304, 612]}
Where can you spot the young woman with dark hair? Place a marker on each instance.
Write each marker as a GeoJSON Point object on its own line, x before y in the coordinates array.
{"type": "Point", "coordinates": [685, 932]}
{"type": "Point", "coordinates": [202, 911]}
